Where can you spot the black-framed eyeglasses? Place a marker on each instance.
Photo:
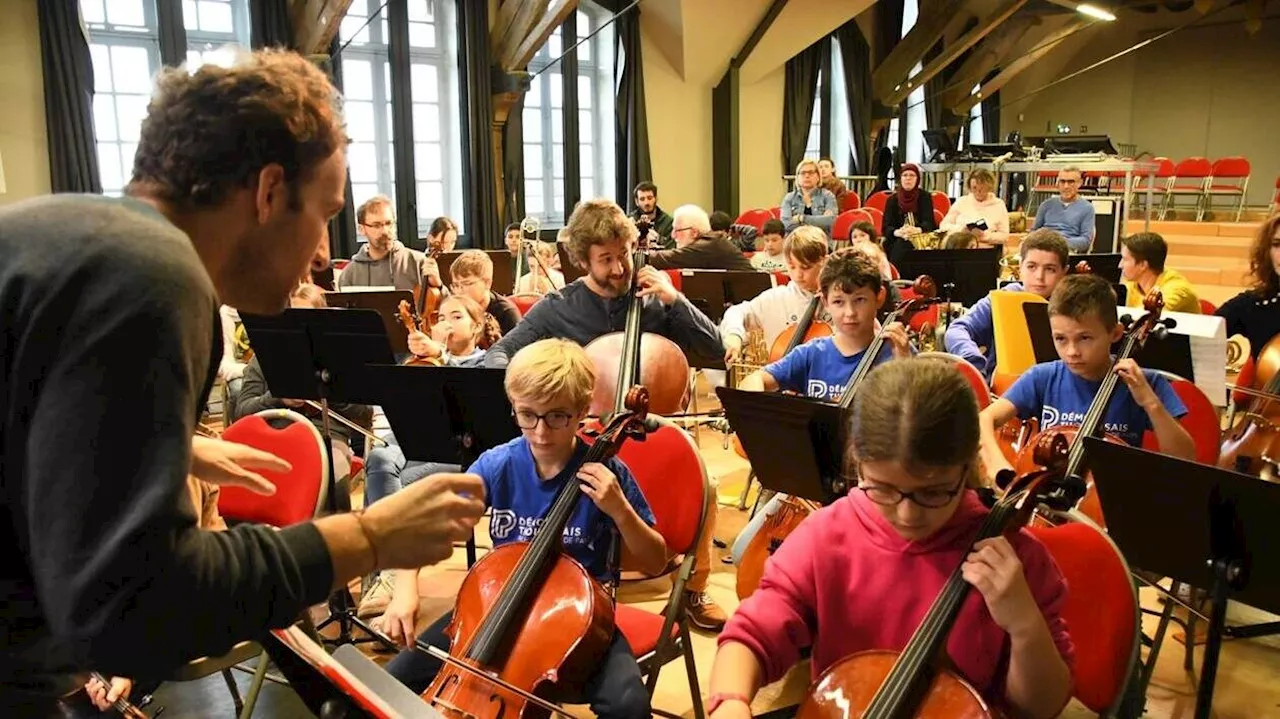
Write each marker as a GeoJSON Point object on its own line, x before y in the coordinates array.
{"type": "Point", "coordinates": [555, 419]}
{"type": "Point", "coordinates": [929, 498]}
{"type": "Point", "coordinates": [379, 225]}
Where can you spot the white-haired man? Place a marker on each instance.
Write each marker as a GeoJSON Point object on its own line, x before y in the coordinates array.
{"type": "Point", "coordinates": [697, 247]}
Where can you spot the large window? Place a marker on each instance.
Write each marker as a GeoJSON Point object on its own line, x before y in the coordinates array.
{"type": "Point", "coordinates": [124, 42]}
{"type": "Point", "coordinates": [543, 118]}
{"type": "Point", "coordinates": [433, 78]}
{"type": "Point", "coordinates": [831, 108]}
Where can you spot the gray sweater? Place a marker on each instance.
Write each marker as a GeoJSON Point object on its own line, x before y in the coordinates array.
{"type": "Point", "coordinates": [576, 313]}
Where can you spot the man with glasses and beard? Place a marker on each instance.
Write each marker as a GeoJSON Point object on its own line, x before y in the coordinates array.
{"type": "Point", "coordinates": [1069, 214]}
{"type": "Point", "coordinates": [383, 261]}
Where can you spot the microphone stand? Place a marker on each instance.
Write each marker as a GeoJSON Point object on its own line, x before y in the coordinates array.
{"type": "Point", "coordinates": [532, 247]}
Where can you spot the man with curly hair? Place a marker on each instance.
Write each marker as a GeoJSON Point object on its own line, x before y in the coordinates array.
{"type": "Point", "coordinates": [110, 310]}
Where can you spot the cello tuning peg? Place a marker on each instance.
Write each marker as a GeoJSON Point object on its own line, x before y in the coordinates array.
{"type": "Point", "coordinates": [1168, 323]}
{"type": "Point", "coordinates": [1126, 321]}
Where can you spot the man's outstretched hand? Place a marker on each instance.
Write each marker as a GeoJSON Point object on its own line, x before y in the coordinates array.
{"type": "Point", "coordinates": [233, 465]}
{"type": "Point", "coordinates": [417, 526]}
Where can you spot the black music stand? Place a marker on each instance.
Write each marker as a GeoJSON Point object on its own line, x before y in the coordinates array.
{"type": "Point", "coordinates": [812, 432]}
{"type": "Point", "coordinates": [973, 272]}
{"type": "Point", "coordinates": [503, 272]}
{"type": "Point", "coordinates": [386, 303]}
{"type": "Point", "coordinates": [1200, 525]}
{"type": "Point", "coordinates": [446, 414]}
{"type": "Point", "coordinates": [1102, 264]}
{"type": "Point", "coordinates": [1172, 353]}
{"type": "Point", "coordinates": [323, 355]}
{"type": "Point", "coordinates": [568, 266]}
{"type": "Point", "coordinates": [713, 292]}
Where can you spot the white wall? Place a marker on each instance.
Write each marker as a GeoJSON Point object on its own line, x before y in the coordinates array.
{"type": "Point", "coordinates": [23, 143]}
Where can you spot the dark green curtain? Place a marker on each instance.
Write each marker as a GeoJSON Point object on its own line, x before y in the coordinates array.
{"type": "Point", "coordinates": [855, 55]}
{"type": "Point", "coordinates": [68, 98]}
{"type": "Point", "coordinates": [342, 228]}
{"type": "Point", "coordinates": [269, 24]}
{"type": "Point", "coordinates": [632, 162]}
{"type": "Point", "coordinates": [799, 93]}
{"type": "Point", "coordinates": [513, 163]}
{"type": "Point", "coordinates": [474, 64]}
{"type": "Point", "coordinates": [991, 112]}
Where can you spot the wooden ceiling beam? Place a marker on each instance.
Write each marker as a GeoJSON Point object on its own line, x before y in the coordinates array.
{"type": "Point", "coordinates": [526, 17]}
{"type": "Point", "coordinates": [953, 51]}
{"type": "Point", "coordinates": [315, 23]}
{"type": "Point", "coordinates": [1010, 71]}
{"type": "Point", "coordinates": [935, 15]}
{"type": "Point", "coordinates": [989, 54]}
{"type": "Point", "coordinates": [518, 57]}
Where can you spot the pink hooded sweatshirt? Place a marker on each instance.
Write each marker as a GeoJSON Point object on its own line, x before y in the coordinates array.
{"type": "Point", "coordinates": [845, 581]}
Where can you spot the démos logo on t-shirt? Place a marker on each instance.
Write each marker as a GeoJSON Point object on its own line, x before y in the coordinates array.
{"type": "Point", "coordinates": [818, 389]}
{"type": "Point", "coordinates": [1051, 417]}
{"type": "Point", "coordinates": [504, 522]}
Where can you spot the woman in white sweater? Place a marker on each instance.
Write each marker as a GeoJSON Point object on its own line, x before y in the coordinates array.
{"type": "Point", "coordinates": [980, 204]}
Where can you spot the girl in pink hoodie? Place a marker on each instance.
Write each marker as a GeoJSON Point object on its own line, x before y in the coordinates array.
{"type": "Point", "coordinates": [861, 574]}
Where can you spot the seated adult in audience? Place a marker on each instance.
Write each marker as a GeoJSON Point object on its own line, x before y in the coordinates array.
{"type": "Point", "coordinates": [983, 204]}
{"type": "Point", "coordinates": [646, 209]}
{"type": "Point", "coordinates": [769, 256]}
{"type": "Point", "coordinates": [472, 275]}
{"type": "Point", "coordinates": [255, 396]}
{"type": "Point", "coordinates": [828, 181]}
{"type": "Point", "coordinates": [907, 213]}
{"type": "Point", "coordinates": [541, 276]}
{"type": "Point", "coordinates": [697, 247]}
{"type": "Point", "coordinates": [1142, 267]}
{"type": "Point", "coordinates": [742, 236]}
{"type": "Point", "coordinates": [1255, 313]}
{"type": "Point", "coordinates": [383, 261]}
{"type": "Point", "coordinates": [1043, 264]}
{"type": "Point", "coordinates": [1068, 214]}
{"type": "Point", "coordinates": [865, 233]}
{"type": "Point", "coordinates": [442, 236]}
{"type": "Point", "coordinates": [808, 200]}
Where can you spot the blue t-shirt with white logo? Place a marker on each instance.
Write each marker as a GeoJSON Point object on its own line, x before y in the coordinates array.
{"type": "Point", "coordinates": [520, 499]}
{"type": "Point", "coordinates": [1051, 393]}
{"type": "Point", "coordinates": [818, 370]}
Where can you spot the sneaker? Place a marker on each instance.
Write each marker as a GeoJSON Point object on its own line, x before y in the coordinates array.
{"type": "Point", "coordinates": [374, 602]}
{"type": "Point", "coordinates": [703, 611]}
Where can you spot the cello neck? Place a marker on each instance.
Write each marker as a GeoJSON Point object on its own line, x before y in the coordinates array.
{"type": "Point", "coordinates": [805, 322]}
{"type": "Point", "coordinates": [629, 363]}
{"type": "Point", "coordinates": [868, 360]}
{"type": "Point", "coordinates": [1092, 422]}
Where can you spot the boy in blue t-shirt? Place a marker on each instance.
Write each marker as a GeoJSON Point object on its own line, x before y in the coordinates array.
{"type": "Point", "coordinates": [1082, 313]}
{"type": "Point", "coordinates": [549, 383]}
{"type": "Point", "coordinates": [852, 290]}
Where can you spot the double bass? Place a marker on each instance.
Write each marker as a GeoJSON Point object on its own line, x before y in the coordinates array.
{"type": "Point", "coordinates": [1092, 425]}
{"type": "Point", "coordinates": [793, 511]}
{"type": "Point", "coordinates": [1253, 445]}
{"type": "Point", "coordinates": [915, 682]}
{"type": "Point", "coordinates": [632, 357]}
{"type": "Point", "coordinates": [531, 624]}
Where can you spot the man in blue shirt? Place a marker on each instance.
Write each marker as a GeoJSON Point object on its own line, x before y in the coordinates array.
{"type": "Point", "coordinates": [550, 384]}
{"type": "Point", "coordinates": [1082, 312]}
{"type": "Point", "coordinates": [1044, 262]}
{"type": "Point", "coordinates": [1068, 213]}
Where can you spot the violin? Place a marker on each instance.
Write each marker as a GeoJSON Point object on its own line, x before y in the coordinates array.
{"type": "Point", "coordinates": [530, 622]}
{"type": "Point", "coordinates": [1253, 445]}
{"type": "Point", "coordinates": [413, 323]}
{"type": "Point", "coordinates": [431, 293]}
{"type": "Point", "coordinates": [777, 528]}
{"type": "Point", "coordinates": [632, 357]}
{"type": "Point", "coordinates": [1135, 337]}
{"type": "Point", "coordinates": [915, 682]}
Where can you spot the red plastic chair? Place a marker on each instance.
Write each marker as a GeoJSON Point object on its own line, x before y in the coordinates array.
{"type": "Point", "coordinates": [776, 212]}
{"type": "Point", "coordinates": [781, 278]}
{"type": "Point", "coordinates": [843, 226]}
{"type": "Point", "coordinates": [525, 301]}
{"type": "Point", "coordinates": [1190, 177]}
{"type": "Point", "coordinates": [877, 200]}
{"type": "Point", "coordinates": [301, 492]}
{"type": "Point", "coordinates": [940, 202]}
{"type": "Point", "coordinates": [1207, 307]}
{"type": "Point", "coordinates": [677, 279]}
{"type": "Point", "coordinates": [877, 217]}
{"type": "Point", "coordinates": [1200, 421]}
{"type": "Point", "coordinates": [1101, 611]}
{"type": "Point", "coordinates": [755, 218]}
{"type": "Point", "coordinates": [850, 201]}
{"type": "Point", "coordinates": [341, 264]}
{"type": "Point", "coordinates": [976, 381]}
{"type": "Point", "coordinates": [670, 472]}
{"type": "Point", "coordinates": [1228, 168]}
{"type": "Point", "coordinates": [893, 272]}
{"type": "Point", "coordinates": [937, 216]}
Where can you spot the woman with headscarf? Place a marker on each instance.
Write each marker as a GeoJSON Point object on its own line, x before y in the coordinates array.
{"type": "Point", "coordinates": [908, 212]}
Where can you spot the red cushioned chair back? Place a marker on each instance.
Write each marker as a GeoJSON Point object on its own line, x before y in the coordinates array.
{"type": "Point", "coordinates": [977, 382]}
{"type": "Point", "coordinates": [851, 201]}
{"type": "Point", "coordinates": [1100, 610]}
{"type": "Point", "coordinates": [1230, 168]}
{"type": "Point", "coordinates": [1200, 421]}
{"type": "Point", "coordinates": [671, 474]}
{"type": "Point", "coordinates": [755, 218]}
{"type": "Point", "coordinates": [843, 225]}
{"type": "Point", "coordinates": [301, 491]}
{"type": "Point", "coordinates": [1207, 307]}
{"type": "Point", "coordinates": [877, 217]}
{"type": "Point", "coordinates": [1193, 167]}
{"type": "Point", "coordinates": [941, 203]}
{"type": "Point", "coordinates": [877, 200]}
{"type": "Point", "coordinates": [525, 301]}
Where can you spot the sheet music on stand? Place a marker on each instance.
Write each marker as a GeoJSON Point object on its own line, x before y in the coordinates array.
{"type": "Point", "coordinates": [1208, 340]}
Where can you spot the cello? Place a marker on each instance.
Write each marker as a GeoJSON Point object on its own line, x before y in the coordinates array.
{"type": "Point", "coordinates": [1092, 425]}
{"type": "Point", "coordinates": [1253, 445]}
{"type": "Point", "coordinates": [530, 622]}
{"type": "Point", "coordinates": [778, 526]}
{"type": "Point", "coordinates": [632, 357]}
{"type": "Point", "coordinates": [914, 683]}
{"type": "Point", "coordinates": [806, 328]}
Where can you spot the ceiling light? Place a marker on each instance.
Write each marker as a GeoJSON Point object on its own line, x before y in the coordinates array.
{"type": "Point", "coordinates": [1095, 12]}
